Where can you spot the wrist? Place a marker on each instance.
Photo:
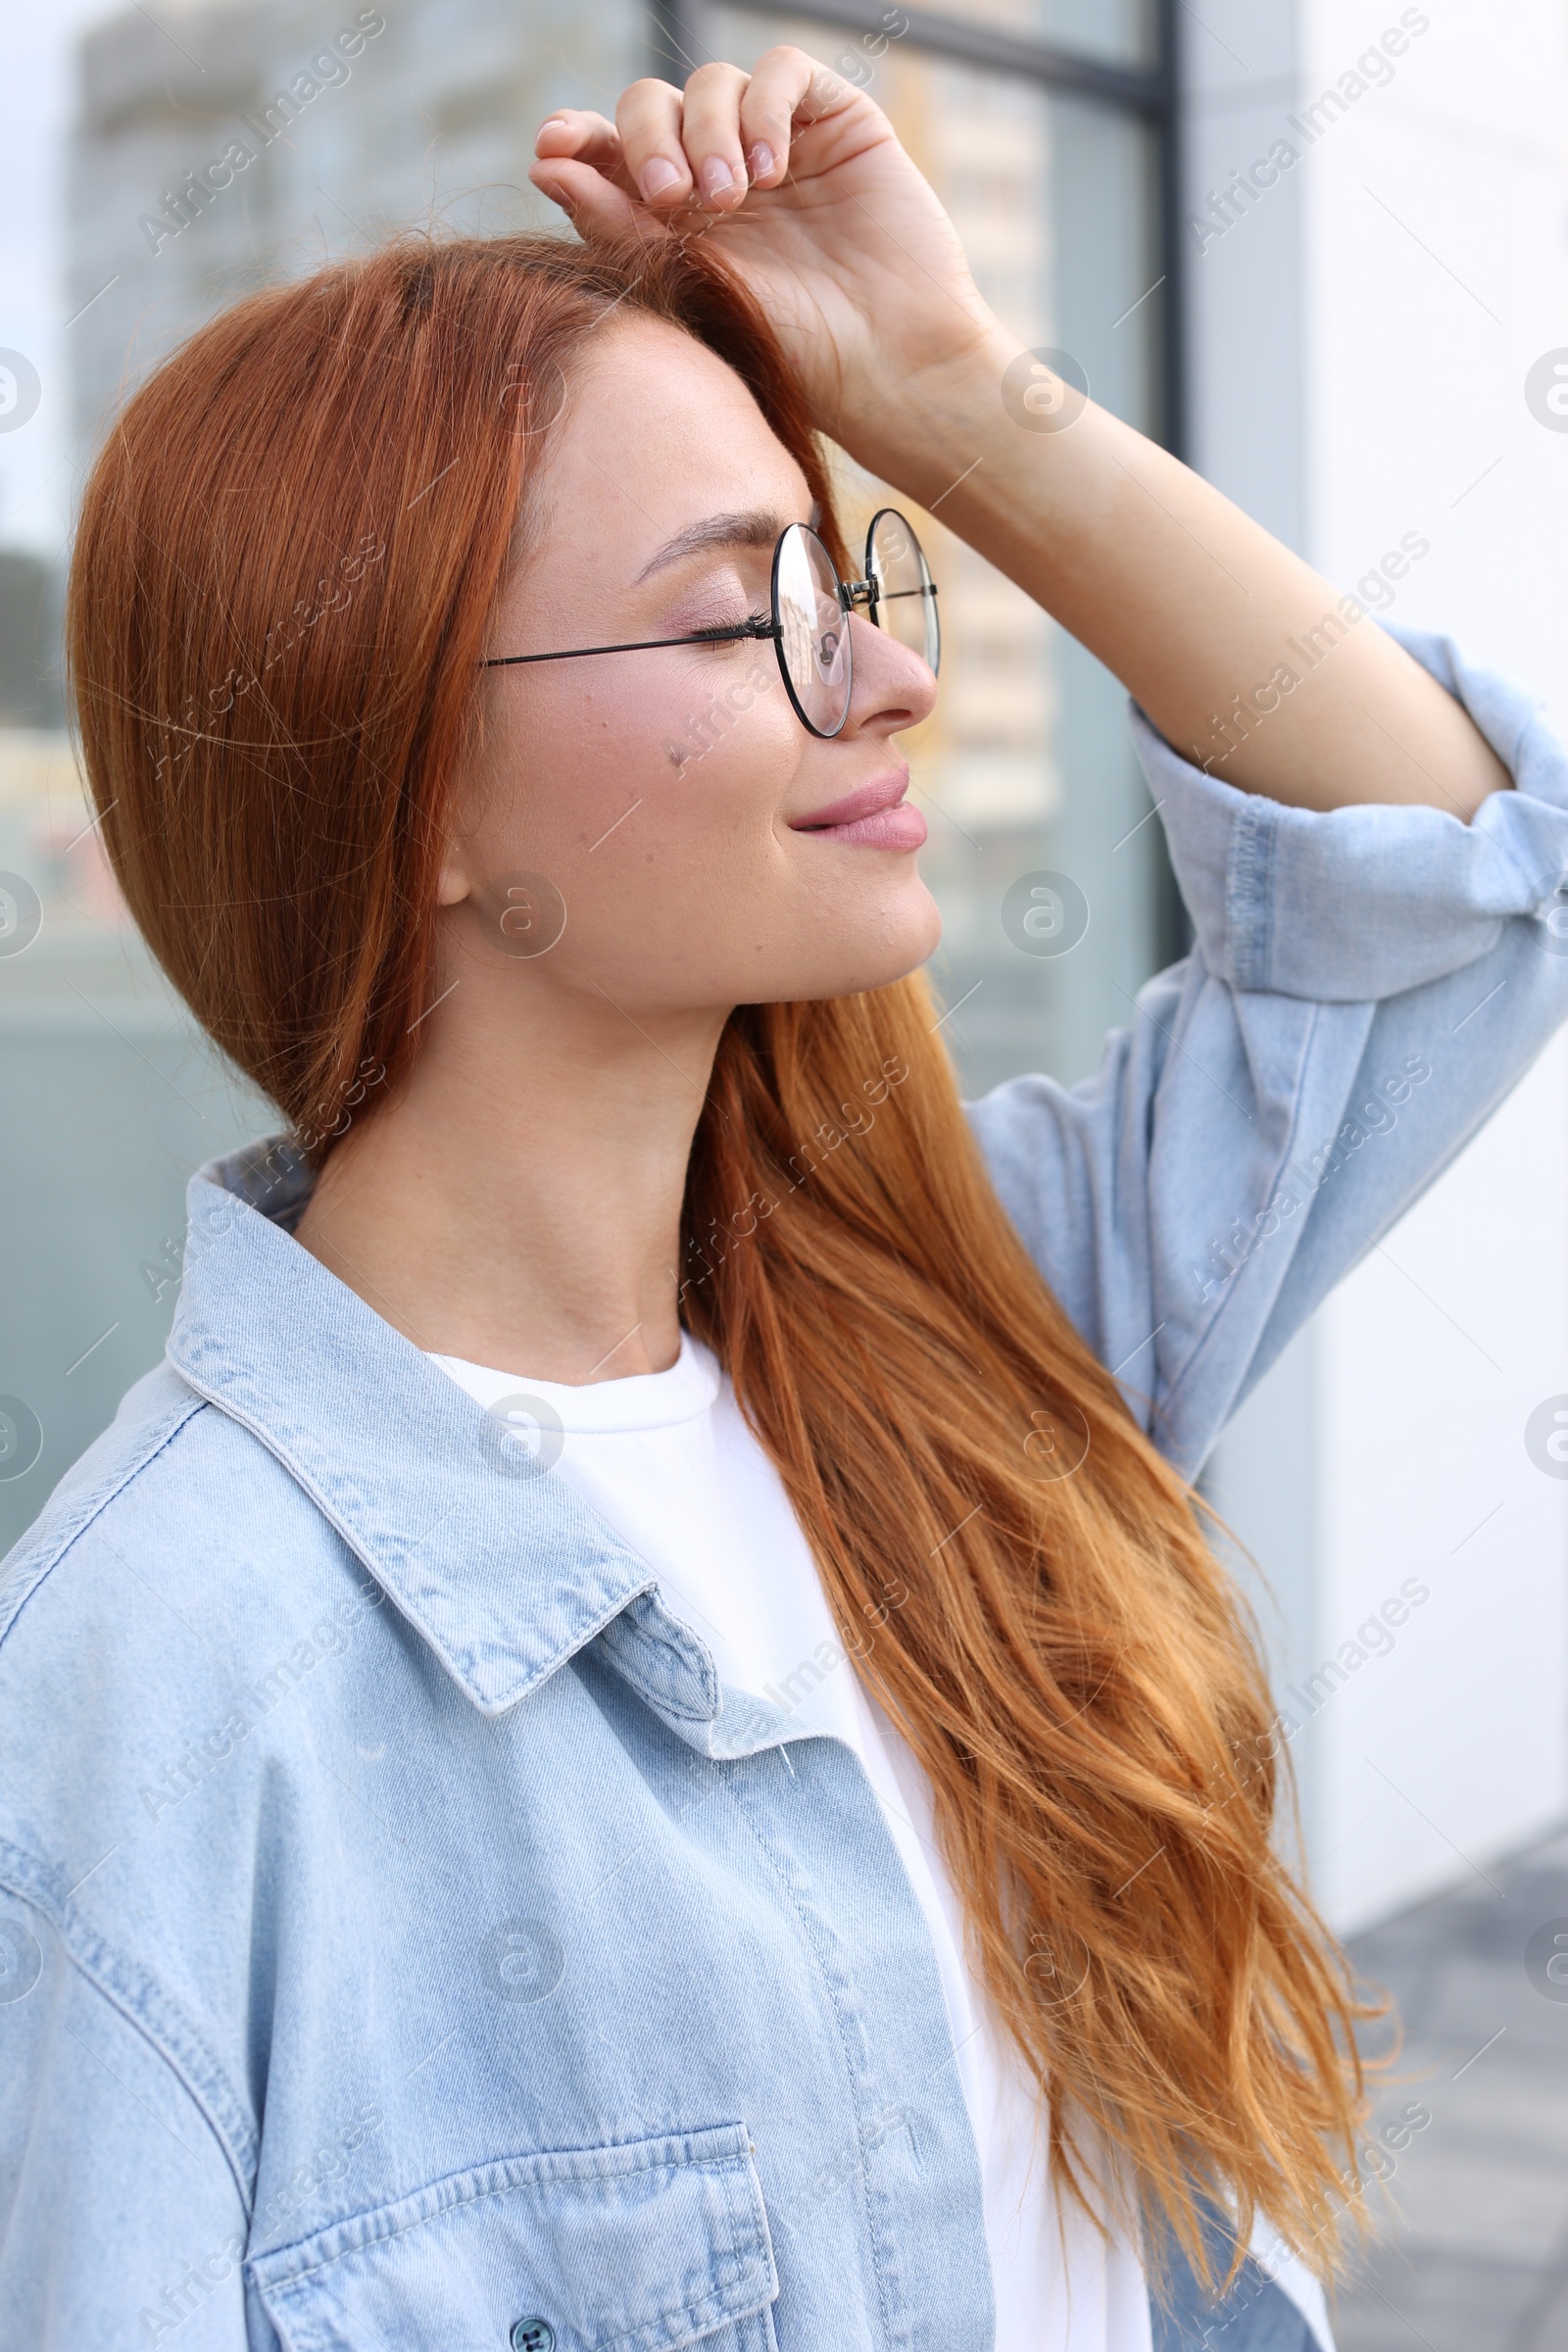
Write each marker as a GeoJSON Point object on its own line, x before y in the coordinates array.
{"type": "Point", "coordinates": [919, 427]}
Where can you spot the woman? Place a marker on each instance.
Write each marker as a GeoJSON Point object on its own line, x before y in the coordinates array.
{"type": "Point", "coordinates": [635, 1741]}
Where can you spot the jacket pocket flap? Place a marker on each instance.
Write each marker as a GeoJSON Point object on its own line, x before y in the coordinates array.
{"type": "Point", "coordinates": [635, 2248]}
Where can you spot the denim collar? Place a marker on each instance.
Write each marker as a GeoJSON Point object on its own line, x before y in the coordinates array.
{"type": "Point", "coordinates": [502, 1571]}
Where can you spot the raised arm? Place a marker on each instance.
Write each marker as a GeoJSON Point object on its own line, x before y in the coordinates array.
{"type": "Point", "coordinates": [1246, 659]}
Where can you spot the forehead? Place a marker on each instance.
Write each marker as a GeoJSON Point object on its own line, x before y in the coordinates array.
{"type": "Point", "coordinates": [658, 433]}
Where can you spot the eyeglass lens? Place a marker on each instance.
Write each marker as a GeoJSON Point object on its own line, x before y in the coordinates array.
{"type": "Point", "coordinates": [814, 630]}
{"type": "Point", "coordinates": [906, 604]}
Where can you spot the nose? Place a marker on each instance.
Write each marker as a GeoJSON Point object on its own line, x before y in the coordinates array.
{"type": "Point", "coordinates": [892, 688]}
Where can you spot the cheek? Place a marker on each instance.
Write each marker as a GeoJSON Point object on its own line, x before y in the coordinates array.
{"type": "Point", "coordinates": [735, 753]}
{"type": "Point", "coordinates": [591, 745]}
{"type": "Point", "coordinates": [662, 755]}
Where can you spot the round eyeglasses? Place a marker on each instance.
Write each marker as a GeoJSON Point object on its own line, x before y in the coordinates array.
{"type": "Point", "coordinates": [810, 610]}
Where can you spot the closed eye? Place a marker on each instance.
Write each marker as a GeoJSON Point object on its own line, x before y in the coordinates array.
{"type": "Point", "coordinates": [725, 631]}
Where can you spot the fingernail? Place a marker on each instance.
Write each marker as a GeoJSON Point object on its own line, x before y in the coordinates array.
{"type": "Point", "coordinates": [717, 175]}
{"type": "Point", "coordinates": [760, 160]}
{"type": "Point", "coordinates": [658, 175]}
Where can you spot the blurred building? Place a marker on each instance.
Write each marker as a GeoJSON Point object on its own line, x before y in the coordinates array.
{"type": "Point", "coordinates": [356, 120]}
{"type": "Point", "coordinates": [29, 634]}
{"type": "Point", "coordinates": [1340, 346]}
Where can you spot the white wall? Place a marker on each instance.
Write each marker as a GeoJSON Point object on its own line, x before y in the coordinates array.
{"type": "Point", "coordinates": [1408, 270]}
{"type": "Point", "coordinates": [1430, 1360]}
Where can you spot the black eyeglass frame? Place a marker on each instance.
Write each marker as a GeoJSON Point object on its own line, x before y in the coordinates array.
{"type": "Point", "coordinates": [852, 595]}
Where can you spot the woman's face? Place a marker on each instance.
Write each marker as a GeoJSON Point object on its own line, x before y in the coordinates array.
{"type": "Point", "coordinates": [707, 848]}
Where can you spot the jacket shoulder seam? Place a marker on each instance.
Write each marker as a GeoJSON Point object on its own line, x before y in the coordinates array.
{"type": "Point", "coordinates": [135, 1995]}
{"type": "Point", "coordinates": [29, 1574]}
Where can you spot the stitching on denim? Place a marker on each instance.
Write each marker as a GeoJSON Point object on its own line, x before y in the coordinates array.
{"type": "Point", "coordinates": [98, 1499]}
{"type": "Point", "coordinates": [174, 2041]}
{"type": "Point", "coordinates": [1249, 903]}
{"type": "Point", "coordinates": [677, 2166]}
{"type": "Point", "coordinates": [810, 1924]}
{"type": "Point", "coordinates": [662, 1645]}
{"type": "Point", "coordinates": [1187, 1368]}
{"type": "Point", "coordinates": [391, 1560]}
{"type": "Point", "coordinates": [513, 1691]}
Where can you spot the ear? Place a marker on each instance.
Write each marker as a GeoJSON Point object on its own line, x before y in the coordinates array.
{"type": "Point", "coordinates": [452, 885]}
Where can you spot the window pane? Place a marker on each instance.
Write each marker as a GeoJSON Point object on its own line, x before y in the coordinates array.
{"type": "Point", "coordinates": [1025, 767]}
{"type": "Point", "coordinates": [1119, 32]}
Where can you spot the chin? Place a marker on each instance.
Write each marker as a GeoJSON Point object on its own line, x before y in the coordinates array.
{"type": "Point", "coordinates": [867, 954]}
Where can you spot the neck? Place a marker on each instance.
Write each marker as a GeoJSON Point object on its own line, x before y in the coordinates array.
{"type": "Point", "coordinates": [518, 1202]}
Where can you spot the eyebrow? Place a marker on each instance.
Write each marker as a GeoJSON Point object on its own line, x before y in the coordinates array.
{"type": "Point", "coordinates": [755, 526]}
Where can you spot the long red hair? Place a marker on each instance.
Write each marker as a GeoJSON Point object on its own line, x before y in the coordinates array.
{"type": "Point", "coordinates": [289, 553]}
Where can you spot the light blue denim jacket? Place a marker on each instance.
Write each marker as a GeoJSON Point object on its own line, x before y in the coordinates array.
{"type": "Point", "coordinates": [405, 1940]}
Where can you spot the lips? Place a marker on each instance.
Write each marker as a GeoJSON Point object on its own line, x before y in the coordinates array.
{"type": "Point", "coordinates": [875, 817]}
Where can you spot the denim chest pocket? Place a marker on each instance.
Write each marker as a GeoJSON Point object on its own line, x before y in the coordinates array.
{"type": "Point", "coordinates": [635, 2248]}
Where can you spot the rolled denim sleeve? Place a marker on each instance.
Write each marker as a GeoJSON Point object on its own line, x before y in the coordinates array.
{"type": "Point", "coordinates": [1364, 988]}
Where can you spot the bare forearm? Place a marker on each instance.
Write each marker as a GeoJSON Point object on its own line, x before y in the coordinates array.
{"type": "Point", "coordinates": [1247, 661]}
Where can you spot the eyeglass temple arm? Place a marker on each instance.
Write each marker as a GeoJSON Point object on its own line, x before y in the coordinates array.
{"type": "Point", "coordinates": [643, 645]}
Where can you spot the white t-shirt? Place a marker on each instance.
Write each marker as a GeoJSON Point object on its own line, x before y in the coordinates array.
{"type": "Point", "coordinates": [667, 1460]}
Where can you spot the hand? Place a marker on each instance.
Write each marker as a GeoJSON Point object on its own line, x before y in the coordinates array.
{"type": "Point", "coordinates": [821, 212]}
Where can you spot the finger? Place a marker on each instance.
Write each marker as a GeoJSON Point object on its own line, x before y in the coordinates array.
{"type": "Point", "coordinates": [648, 120]}
{"type": "Point", "coordinates": [574, 135]}
{"type": "Point", "coordinates": [594, 205]}
{"type": "Point", "coordinates": [588, 138]}
{"type": "Point", "coordinates": [785, 81]}
{"type": "Point", "coordinates": [710, 134]}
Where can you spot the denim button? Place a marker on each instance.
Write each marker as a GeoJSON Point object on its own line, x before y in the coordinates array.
{"type": "Point", "coordinates": [533, 2335]}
